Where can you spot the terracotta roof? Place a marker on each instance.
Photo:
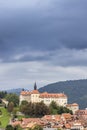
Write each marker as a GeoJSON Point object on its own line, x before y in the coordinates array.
{"type": "Point", "coordinates": [81, 112]}
{"type": "Point", "coordinates": [25, 93]}
{"type": "Point", "coordinates": [75, 104]}
{"type": "Point", "coordinates": [16, 123]}
{"type": "Point", "coordinates": [71, 105]}
{"type": "Point", "coordinates": [28, 120]}
{"type": "Point", "coordinates": [35, 92]}
{"type": "Point", "coordinates": [52, 117]}
{"type": "Point", "coordinates": [52, 95]}
{"type": "Point", "coordinates": [44, 95]}
{"type": "Point", "coordinates": [68, 126]}
{"type": "Point", "coordinates": [67, 115]}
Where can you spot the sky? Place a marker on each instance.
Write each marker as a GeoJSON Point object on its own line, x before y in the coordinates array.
{"type": "Point", "coordinates": [42, 41]}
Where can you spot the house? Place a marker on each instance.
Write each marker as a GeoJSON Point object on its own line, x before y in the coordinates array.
{"type": "Point", "coordinates": [77, 126]}
{"type": "Point", "coordinates": [81, 114]}
{"type": "Point", "coordinates": [74, 107]}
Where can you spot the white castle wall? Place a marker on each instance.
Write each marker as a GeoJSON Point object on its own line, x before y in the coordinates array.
{"type": "Point", "coordinates": [34, 98]}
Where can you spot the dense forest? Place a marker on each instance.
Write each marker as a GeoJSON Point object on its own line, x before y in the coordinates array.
{"type": "Point", "coordinates": [76, 90]}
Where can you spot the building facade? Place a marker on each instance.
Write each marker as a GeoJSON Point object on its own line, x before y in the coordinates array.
{"type": "Point", "coordinates": [35, 96]}
{"type": "Point", "coordinates": [74, 107]}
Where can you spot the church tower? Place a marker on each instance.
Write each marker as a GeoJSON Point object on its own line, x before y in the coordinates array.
{"type": "Point", "coordinates": [35, 86]}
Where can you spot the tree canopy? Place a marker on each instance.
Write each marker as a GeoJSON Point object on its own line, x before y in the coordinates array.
{"type": "Point", "coordinates": [10, 107]}
{"type": "Point", "coordinates": [3, 94]}
{"type": "Point", "coordinates": [13, 98]}
{"type": "Point", "coordinates": [9, 127]}
{"type": "Point", "coordinates": [55, 109]}
{"type": "Point", "coordinates": [40, 109]}
{"type": "Point", "coordinates": [34, 109]}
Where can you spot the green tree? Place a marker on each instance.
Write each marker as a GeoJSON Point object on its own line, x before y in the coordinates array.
{"type": "Point", "coordinates": [9, 127]}
{"type": "Point", "coordinates": [62, 109]}
{"type": "Point", "coordinates": [41, 109]}
{"type": "Point", "coordinates": [18, 128]}
{"type": "Point", "coordinates": [10, 107]}
{"type": "Point", "coordinates": [3, 94]}
{"type": "Point", "coordinates": [53, 105]}
{"type": "Point", "coordinates": [14, 113]}
{"type": "Point", "coordinates": [53, 108]}
{"type": "Point", "coordinates": [0, 112]}
{"type": "Point", "coordinates": [24, 102]}
{"type": "Point", "coordinates": [13, 98]}
{"type": "Point", "coordinates": [0, 123]}
{"type": "Point", "coordinates": [27, 109]}
{"type": "Point", "coordinates": [0, 100]}
{"type": "Point", "coordinates": [34, 109]}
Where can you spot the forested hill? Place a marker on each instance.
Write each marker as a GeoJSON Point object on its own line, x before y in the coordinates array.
{"type": "Point", "coordinates": [76, 90]}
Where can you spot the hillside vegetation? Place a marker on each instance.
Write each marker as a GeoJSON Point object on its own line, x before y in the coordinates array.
{"type": "Point", "coordinates": [4, 117]}
{"type": "Point", "coordinates": [76, 90]}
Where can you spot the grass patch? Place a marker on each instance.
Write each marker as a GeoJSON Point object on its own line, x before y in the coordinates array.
{"type": "Point", "coordinates": [4, 118]}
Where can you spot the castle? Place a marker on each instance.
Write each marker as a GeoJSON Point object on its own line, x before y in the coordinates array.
{"type": "Point", "coordinates": [35, 96]}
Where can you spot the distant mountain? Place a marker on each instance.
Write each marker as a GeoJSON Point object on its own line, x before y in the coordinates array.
{"type": "Point", "coordinates": [76, 90]}
{"type": "Point", "coordinates": [16, 91]}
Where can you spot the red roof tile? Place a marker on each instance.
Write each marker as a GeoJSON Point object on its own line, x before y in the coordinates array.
{"type": "Point", "coordinates": [52, 95]}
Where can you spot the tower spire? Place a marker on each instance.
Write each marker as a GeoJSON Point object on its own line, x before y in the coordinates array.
{"type": "Point", "coordinates": [35, 86]}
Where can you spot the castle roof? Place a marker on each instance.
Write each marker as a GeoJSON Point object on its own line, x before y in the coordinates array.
{"type": "Point", "coordinates": [35, 92]}
{"type": "Point", "coordinates": [52, 95]}
{"type": "Point", "coordinates": [25, 93]}
{"type": "Point", "coordinates": [45, 94]}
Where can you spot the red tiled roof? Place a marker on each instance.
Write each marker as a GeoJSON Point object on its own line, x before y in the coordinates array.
{"type": "Point", "coordinates": [24, 93]}
{"type": "Point", "coordinates": [75, 104]}
{"type": "Point", "coordinates": [52, 95]}
{"type": "Point", "coordinates": [16, 123]}
{"type": "Point", "coordinates": [52, 117]}
{"type": "Point", "coordinates": [44, 95]}
{"type": "Point", "coordinates": [70, 105]}
{"type": "Point", "coordinates": [68, 126]}
{"type": "Point", "coordinates": [67, 115]}
{"type": "Point", "coordinates": [81, 112]}
{"type": "Point", "coordinates": [35, 92]}
{"type": "Point", "coordinates": [27, 120]}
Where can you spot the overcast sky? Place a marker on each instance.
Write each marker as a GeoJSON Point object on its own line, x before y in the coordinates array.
{"type": "Point", "coordinates": [43, 41]}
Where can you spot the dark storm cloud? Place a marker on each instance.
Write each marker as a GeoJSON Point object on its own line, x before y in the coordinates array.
{"type": "Point", "coordinates": [41, 26]}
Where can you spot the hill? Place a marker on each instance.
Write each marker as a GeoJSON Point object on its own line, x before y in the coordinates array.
{"type": "Point", "coordinates": [76, 90]}
{"type": "Point", "coordinates": [16, 91]}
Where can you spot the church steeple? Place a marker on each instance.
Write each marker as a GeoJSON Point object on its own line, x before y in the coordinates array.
{"type": "Point", "coordinates": [35, 86]}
